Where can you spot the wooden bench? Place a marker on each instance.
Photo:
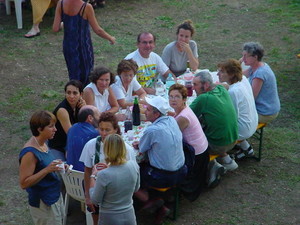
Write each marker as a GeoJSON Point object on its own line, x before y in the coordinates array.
{"type": "Point", "coordinates": [258, 135]}
{"type": "Point", "coordinates": [175, 206]}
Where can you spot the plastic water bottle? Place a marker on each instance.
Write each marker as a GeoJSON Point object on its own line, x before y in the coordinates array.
{"type": "Point", "coordinates": [128, 122]}
{"type": "Point", "coordinates": [159, 88]}
{"type": "Point", "coordinates": [169, 82]}
{"type": "Point", "coordinates": [188, 81]}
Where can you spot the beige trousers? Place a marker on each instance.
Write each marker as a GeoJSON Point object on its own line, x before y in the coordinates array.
{"type": "Point", "coordinates": [48, 215]}
{"type": "Point", "coordinates": [266, 119]}
{"type": "Point", "coordinates": [39, 8]}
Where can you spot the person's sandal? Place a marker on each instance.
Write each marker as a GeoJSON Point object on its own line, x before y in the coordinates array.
{"type": "Point", "coordinates": [101, 3]}
{"type": "Point", "coordinates": [32, 34]}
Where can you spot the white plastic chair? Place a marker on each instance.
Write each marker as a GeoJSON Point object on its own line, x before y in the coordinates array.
{"type": "Point", "coordinates": [18, 8]}
{"type": "Point", "coordinates": [73, 181]}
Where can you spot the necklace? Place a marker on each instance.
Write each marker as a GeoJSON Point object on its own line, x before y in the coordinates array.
{"type": "Point", "coordinates": [41, 148]}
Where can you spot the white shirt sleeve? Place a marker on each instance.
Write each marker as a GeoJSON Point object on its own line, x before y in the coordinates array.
{"type": "Point", "coordinates": [162, 68]}
{"type": "Point", "coordinates": [135, 84]}
{"type": "Point", "coordinates": [118, 91]}
{"type": "Point", "coordinates": [88, 153]}
{"type": "Point", "coordinates": [131, 155]}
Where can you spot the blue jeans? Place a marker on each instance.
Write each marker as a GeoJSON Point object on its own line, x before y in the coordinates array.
{"type": "Point", "coordinates": [153, 177]}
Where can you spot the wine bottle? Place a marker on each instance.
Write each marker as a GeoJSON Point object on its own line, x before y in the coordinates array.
{"type": "Point", "coordinates": [136, 120]}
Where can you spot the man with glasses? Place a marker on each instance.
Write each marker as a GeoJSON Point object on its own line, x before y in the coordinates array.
{"type": "Point", "coordinates": [80, 133]}
{"type": "Point", "coordinates": [150, 64]}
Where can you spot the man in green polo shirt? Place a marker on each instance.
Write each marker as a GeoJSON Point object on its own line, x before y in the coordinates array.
{"type": "Point", "coordinates": [214, 108]}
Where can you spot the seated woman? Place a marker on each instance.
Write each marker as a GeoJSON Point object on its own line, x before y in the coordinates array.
{"type": "Point", "coordinates": [115, 184]}
{"type": "Point", "coordinates": [99, 92]}
{"type": "Point", "coordinates": [126, 83]}
{"type": "Point", "coordinates": [182, 53]}
{"type": "Point", "coordinates": [93, 154]}
{"type": "Point", "coordinates": [37, 172]}
{"type": "Point", "coordinates": [241, 94]}
{"type": "Point", "coordinates": [192, 134]}
{"type": "Point", "coordinates": [263, 82]}
{"type": "Point", "coordinates": [66, 114]}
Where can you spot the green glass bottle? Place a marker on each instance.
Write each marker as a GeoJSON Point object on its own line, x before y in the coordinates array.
{"type": "Point", "coordinates": [136, 120]}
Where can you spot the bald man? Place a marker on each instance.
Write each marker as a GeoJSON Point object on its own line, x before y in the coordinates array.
{"type": "Point", "coordinates": [80, 133]}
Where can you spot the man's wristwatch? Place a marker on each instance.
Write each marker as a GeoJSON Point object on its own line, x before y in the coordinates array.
{"type": "Point", "coordinates": [94, 176]}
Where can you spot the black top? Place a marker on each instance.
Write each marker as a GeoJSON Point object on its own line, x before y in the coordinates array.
{"type": "Point", "coordinates": [60, 138]}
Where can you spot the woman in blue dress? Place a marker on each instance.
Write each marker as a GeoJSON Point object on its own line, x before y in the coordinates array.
{"type": "Point", "coordinates": [77, 17]}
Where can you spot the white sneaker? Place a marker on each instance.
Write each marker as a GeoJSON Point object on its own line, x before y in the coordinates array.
{"type": "Point", "coordinates": [230, 166]}
{"type": "Point", "coordinates": [215, 171]}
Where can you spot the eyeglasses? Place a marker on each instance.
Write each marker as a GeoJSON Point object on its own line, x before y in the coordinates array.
{"type": "Point", "coordinates": [176, 97]}
{"type": "Point", "coordinates": [128, 75]}
{"type": "Point", "coordinates": [147, 42]}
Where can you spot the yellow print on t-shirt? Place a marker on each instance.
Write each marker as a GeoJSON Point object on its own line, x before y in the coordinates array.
{"type": "Point", "coordinates": [146, 75]}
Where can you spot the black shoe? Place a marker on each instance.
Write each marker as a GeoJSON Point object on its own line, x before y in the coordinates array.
{"type": "Point", "coordinates": [153, 205]}
{"type": "Point", "coordinates": [244, 153]}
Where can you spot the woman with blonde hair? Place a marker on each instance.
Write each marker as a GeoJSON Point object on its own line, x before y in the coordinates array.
{"type": "Point", "coordinates": [182, 53]}
{"type": "Point", "coordinates": [115, 184]}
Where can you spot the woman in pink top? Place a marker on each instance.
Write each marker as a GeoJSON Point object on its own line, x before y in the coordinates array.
{"type": "Point", "coordinates": [192, 134]}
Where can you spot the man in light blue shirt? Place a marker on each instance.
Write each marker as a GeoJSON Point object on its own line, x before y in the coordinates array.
{"type": "Point", "coordinates": [162, 142]}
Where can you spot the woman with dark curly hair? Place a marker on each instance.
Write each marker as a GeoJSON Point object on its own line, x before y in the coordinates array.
{"type": "Point", "coordinates": [99, 93]}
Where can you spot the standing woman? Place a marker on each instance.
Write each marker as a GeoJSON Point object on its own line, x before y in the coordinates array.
{"type": "Point", "coordinates": [126, 83]}
{"type": "Point", "coordinates": [77, 17]}
{"type": "Point", "coordinates": [39, 8]}
{"type": "Point", "coordinates": [66, 113]}
{"type": "Point", "coordinates": [192, 134]}
{"type": "Point", "coordinates": [263, 82]}
{"type": "Point", "coordinates": [93, 154]}
{"type": "Point", "coordinates": [99, 93]}
{"type": "Point", "coordinates": [37, 172]}
{"type": "Point", "coordinates": [183, 51]}
{"type": "Point", "coordinates": [115, 184]}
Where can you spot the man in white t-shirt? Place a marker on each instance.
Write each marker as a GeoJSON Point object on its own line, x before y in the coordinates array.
{"type": "Point", "coordinates": [150, 64]}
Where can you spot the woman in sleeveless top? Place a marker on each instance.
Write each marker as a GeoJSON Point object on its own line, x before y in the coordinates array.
{"type": "Point", "coordinates": [66, 113]}
{"type": "Point", "coordinates": [99, 93]}
{"type": "Point", "coordinates": [37, 172]}
{"type": "Point", "coordinates": [76, 16]}
{"type": "Point", "coordinates": [192, 134]}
